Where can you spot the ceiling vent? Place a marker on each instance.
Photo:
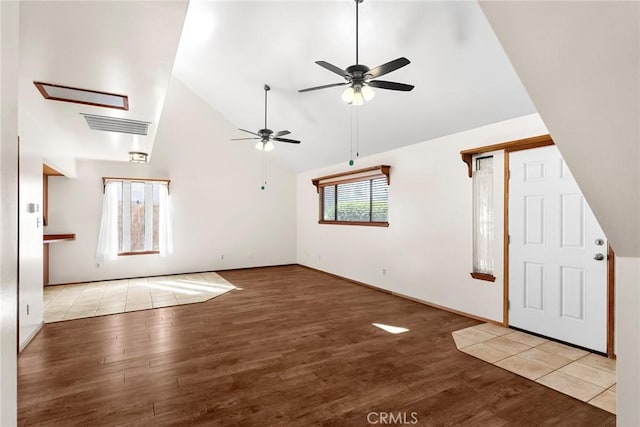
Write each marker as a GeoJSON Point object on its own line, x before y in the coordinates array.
{"type": "Point", "coordinates": [115, 124]}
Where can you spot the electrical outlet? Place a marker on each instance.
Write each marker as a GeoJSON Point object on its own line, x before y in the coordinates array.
{"type": "Point", "coordinates": [221, 256]}
{"type": "Point", "coordinates": [384, 271]}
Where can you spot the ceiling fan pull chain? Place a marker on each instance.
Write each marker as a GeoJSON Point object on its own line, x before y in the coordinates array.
{"type": "Point", "coordinates": [357, 135]}
{"type": "Point", "coordinates": [264, 169]}
{"type": "Point", "coordinates": [351, 138]}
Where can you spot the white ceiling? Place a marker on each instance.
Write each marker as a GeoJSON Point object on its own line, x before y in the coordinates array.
{"type": "Point", "coordinates": [229, 49]}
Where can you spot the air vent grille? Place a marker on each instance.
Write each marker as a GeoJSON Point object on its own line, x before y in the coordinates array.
{"type": "Point", "coordinates": [115, 124]}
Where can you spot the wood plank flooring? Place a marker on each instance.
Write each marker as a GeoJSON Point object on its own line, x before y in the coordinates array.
{"type": "Point", "coordinates": [292, 346]}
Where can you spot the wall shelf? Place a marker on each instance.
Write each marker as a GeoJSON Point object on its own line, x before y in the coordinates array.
{"type": "Point", "coordinates": [52, 238]}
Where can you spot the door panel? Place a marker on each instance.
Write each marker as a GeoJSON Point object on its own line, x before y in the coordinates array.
{"type": "Point", "coordinates": [556, 287]}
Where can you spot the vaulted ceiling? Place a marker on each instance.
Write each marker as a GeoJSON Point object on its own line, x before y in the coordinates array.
{"type": "Point", "coordinates": [228, 50]}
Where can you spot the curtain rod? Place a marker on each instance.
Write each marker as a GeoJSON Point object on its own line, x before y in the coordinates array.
{"type": "Point", "coordinates": [115, 178]}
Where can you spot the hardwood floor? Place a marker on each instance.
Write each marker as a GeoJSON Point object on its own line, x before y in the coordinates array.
{"type": "Point", "coordinates": [292, 346]}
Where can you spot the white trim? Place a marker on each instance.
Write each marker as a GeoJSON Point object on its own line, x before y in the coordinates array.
{"type": "Point", "coordinates": [30, 337]}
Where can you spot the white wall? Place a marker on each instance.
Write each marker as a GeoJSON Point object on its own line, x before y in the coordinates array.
{"type": "Point", "coordinates": [580, 63]}
{"type": "Point", "coordinates": [427, 249]}
{"type": "Point", "coordinates": [628, 340]}
{"type": "Point", "coordinates": [8, 209]}
{"type": "Point", "coordinates": [218, 206]}
{"type": "Point", "coordinates": [30, 310]}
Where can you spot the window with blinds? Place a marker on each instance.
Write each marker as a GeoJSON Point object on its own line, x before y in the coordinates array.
{"type": "Point", "coordinates": [356, 197]}
{"type": "Point", "coordinates": [360, 202]}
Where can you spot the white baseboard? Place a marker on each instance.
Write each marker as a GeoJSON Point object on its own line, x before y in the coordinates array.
{"type": "Point", "coordinates": [31, 336]}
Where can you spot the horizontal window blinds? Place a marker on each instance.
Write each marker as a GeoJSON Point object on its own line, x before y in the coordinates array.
{"type": "Point", "coordinates": [359, 201]}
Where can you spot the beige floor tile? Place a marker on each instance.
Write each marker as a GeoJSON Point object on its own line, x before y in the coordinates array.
{"type": "Point", "coordinates": [527, 339]}
{"type": "Point", "coordinates": [102, 311]}
{"type": "Point", "coordinates": [551, 360]}
{"type": "Point", "coordinates": [587, 373]}
{"type": "Point", "coordinates": [218, 288]}
{"type": "Point", "coordinates": [67, 302]}
{"type": "Point", "coordinates": [111, 304]}
{"type": "Point", "coordinates": [493, 329]}
{"type": "Point", "coordinates": [165, 299]}
{"type": "Point", "coordinates": [135, 299]}
{"type": "Point", "coordinates": [613, 388]}
{"type": "Point", "coordinates": [59, 305]}
{"type": "Point", "coordinates": [84, 307]}
{"type": "Point", "coordinates": [87, 301]}
{"type": "Point", "coordinates": [485, 352]}
{"type": "Point", "coordinates": [53, 317]}
{"type": "Point", "coordinates": [506, 345]}
{"type": "Point", "coordinates": [599, 362]}
{"type": "Point", "coordinates": [524, 367]}
{"type": "Point", "coordinates": [462, 342]}
{"type": "Point", "coordinates": [162, 294]}
{"type": "Point", "coordinates": [114, 295]}
{"type": "Point", "coordinates": [79, 314]}
{"type": "Point", "coordinates": [606, 400]}
{"type": "Point", "coordinates": [570, 385]}
{"type": "Point", "coordinates": [562, 350]}
{"type": "Point", "coordinates": [143, 304]}
{"type": "Point", "coordinates": [189, 300]}
{"type": "Point", "coordinates": [157, 304]}
{"type": "Point", "coordinates": [473, 334]}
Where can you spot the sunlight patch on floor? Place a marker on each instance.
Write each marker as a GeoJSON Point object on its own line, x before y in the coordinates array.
{"type": "Point", "coordinates": [67, 302]}
{"type": "Point", "coordinates": [391, 329]}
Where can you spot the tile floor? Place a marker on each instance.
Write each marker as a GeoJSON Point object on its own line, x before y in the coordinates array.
{"type": "Point", "coordinates": [66, 302]}
{"type": "Point", "coordinates": [577, 373]}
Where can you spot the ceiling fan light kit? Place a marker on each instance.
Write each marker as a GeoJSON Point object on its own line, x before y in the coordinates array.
{"type": "Point", "coordinates": [359, 77]}
{"type": "Point", "coordinates": [264, 146]}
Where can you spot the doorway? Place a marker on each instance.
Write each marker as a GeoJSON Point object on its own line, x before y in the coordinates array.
{"type": "Point", "coordinates": [557, 253]}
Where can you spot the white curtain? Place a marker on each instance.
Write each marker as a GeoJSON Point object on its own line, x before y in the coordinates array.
{"type": "Point", "coordinates": [165, 235]}
{"type": "Point", "coordinates": [108, 237]}
{"type": "Point", "coordinates": [483, 221]}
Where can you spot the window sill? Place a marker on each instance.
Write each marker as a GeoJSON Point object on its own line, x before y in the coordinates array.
{"type": "Point", "coordinates": [483, 276]}
{"type": "Point", "coordinates": [138, 253]}
{"type": "Point", "coordinates": [365, 223]}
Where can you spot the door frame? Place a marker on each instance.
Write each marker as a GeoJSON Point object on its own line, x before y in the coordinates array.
{"type": "Point", "coordinates": [610, 254]}
{"type": "Point", "coordinates": [527, 144]}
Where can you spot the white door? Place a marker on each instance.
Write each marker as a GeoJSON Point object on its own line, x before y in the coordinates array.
{"type": "Point", "coordinates": [557, 253]}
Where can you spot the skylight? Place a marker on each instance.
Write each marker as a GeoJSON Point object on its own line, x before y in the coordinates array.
{"type": "Point", "coordinates": [82, 96]}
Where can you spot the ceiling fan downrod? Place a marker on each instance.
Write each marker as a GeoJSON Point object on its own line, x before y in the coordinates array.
{"type": "Point", "coordinates": [266, 89]}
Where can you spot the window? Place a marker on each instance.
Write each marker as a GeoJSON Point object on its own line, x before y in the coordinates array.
{"type": "Point", "coordinates": [483, 219]}
{"type": "Point", "coordinates": [138, 217]}
{"type": "Point", "coordinates": [360, 197]}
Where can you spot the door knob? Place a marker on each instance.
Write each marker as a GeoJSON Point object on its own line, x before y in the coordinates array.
{"type": "Point", "coordinates": [598, 257]}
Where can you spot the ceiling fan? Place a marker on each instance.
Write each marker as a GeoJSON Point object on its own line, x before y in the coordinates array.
{"type": "Point", "coordinates": [359, 76]}
{"type": "Point", "coordinates": [266, 135]}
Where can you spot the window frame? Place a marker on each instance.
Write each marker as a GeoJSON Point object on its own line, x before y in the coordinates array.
{"type": "Point", "coordinates": [359, 175]}
{"type": "Point", "coordinates": [489, 277]}
{"type": "Point", "coordinates": [154, 181]}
